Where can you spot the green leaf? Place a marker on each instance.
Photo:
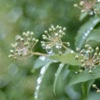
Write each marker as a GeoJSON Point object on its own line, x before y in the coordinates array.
{"type": "Point", "coordinates": [57, 76]}
{"type": "Point", "coordinates": [93, 96]}
{"type": "Point", "coordinates": [68, 58]}
{"type": "Point", "coordinates": [42, 60]}
{"type": "Point", "coordinates": [86, 87]}
{"type": "Point", "coordinates": [40, 79]}
{"type": "Point", "coordinates": [85, 76]}
{"type": "Point", "coordinates": [85, 30]}
{"type": "Point", "coordinates": [94, 36]}
{"type": "Point", "coordinates": [83, 15]}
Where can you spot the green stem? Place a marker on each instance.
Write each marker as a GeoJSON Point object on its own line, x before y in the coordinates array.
{"type": "Point", "coordinates": [39, 54]}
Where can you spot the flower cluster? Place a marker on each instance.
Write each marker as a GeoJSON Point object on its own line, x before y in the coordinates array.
{"type": "Point", "coordinates": [88, 6]}
{"type": "Point", "coordinates": [90, 57]}
{"type": "Point", "coordinates": [23, 46]}
{"type": "Point", "coordinates": [52, 39]}
{"type": "Point", "coordinates": [94, 86]}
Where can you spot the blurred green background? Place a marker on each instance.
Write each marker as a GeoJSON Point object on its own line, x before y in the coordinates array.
{"type": "Point", "coordinates": [18, 78]}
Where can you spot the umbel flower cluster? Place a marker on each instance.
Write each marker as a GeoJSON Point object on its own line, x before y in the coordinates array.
{"type": "Point", "coordinates": [89, 6]}
{"type": "Point", "coordinates": [52, 39]}
{"type": "Point", "coordinates": [90, 57]}
{"type": "Point", "coordinates": [23, 46]}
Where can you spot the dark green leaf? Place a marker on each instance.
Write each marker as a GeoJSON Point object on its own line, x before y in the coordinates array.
{"type": "Point", "coordinates": [85, 76]}
{"type": "Point", "coordinates": [94, 36]}
{"type": "Point", "coordinates": [86, 87]}
{"type": "Point", "coordinates": [40, 79]}
{"type": "Point", "coordinates": [57, 76]}
{"type": "Point", "coordinates": [85, 30]}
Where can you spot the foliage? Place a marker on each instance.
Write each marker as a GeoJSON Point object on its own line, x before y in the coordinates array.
{"type": "Point", "coordinates": [71, 42]}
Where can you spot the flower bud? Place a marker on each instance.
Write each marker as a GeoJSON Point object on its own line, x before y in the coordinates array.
{"type": "Point", "coordinates": [98, 91]}
{"type": "Point", "coordinates": [94, 85]}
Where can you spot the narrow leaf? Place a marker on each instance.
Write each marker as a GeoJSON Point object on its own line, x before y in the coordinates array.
{"type": "Point", "coordinates": [85, 76]}
{"type": "Point", "coordinates": [85, 30]}
{"type": "Point", "coordinates": [57, 76]}
{"type": "Point", "coordinates": [94, 36]}
{"type": "Point", "coordinates": [40, 78]}
{"type": "Point", "coordinates": [86, 87]}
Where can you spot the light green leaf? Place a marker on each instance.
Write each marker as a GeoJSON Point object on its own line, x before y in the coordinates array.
{"type": "Point", "coordinates": [85, 76]}
{"type": "Point", "coordinates": [85, 30]}
{"type": "Point", "coordinates": [94, 36]}
{"type": "Point", "coordinates": [68, 58]}
{"type": "Point", "coordinates": [57, 76]}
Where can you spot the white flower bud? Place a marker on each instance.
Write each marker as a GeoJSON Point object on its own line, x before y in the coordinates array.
{"type": "Point", "coordinates": [94, 85]}
{"type": "Point", "coordinates": [75, 5]}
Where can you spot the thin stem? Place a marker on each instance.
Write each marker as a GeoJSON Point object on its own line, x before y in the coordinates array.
{"type": "Point", "coordinates": [33, 44]}
{"type": "Point", "coordinates": [64, 46]}
{"type": "Point", "coordinates": [39, 54]}
{"type": "Point", "coordinates": [32, 53]}
{"type": "Point", "coordinates": [49, 36]}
